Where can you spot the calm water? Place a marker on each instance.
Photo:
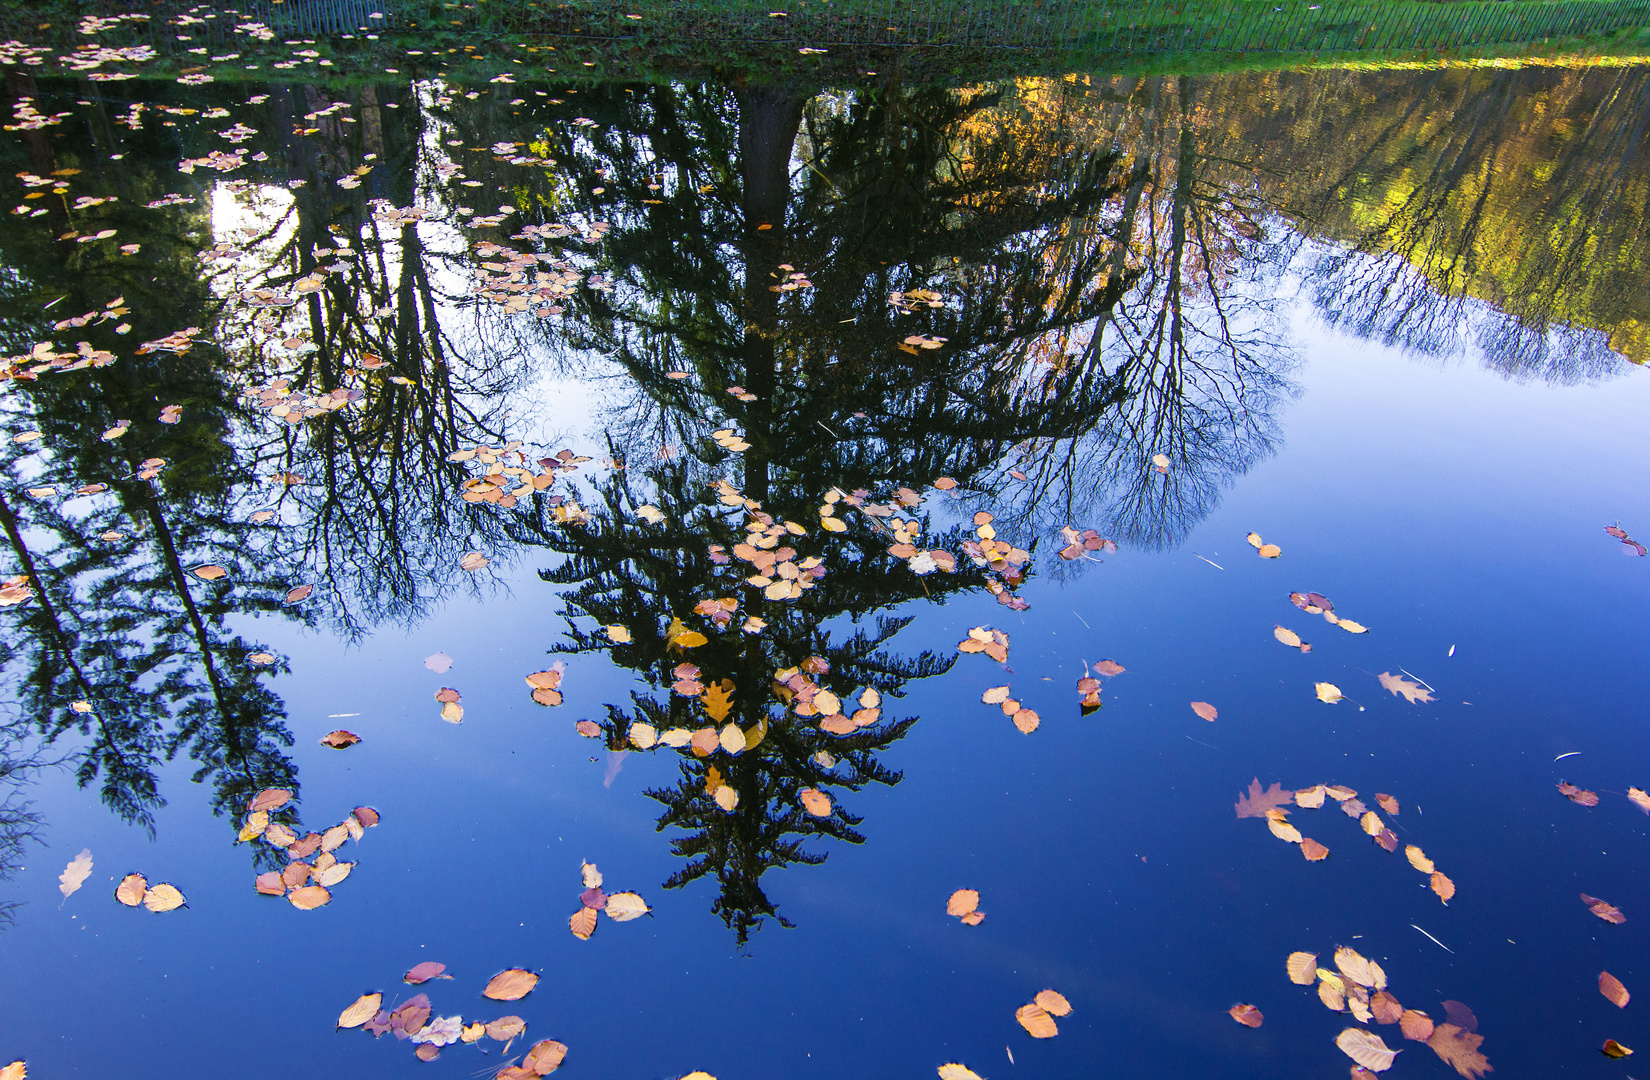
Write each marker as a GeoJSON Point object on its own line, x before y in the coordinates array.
{"type": "Point", "coordinates": [1391, 321]}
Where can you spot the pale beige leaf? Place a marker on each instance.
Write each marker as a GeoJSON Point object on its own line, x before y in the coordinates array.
{"type": "Point", "coordinates": [1310, 798]}
{"type": "Point", "coordinates": [1036, 1020]}
{"type": "Point", "coordinates": [624, 906]}
{"type": "Point", "coordinates": [1640, 797]}
{"type": "Point", "coordinates": [954, 1071]}
{"type": "Point", "coordinates": [591, 876]}
{"type": "Point", "coordinates": [333, 874]}
{"type": "Point", "coordinates": [512, 984]}
{"type": "Point", "coordinates": [1329, 693]}
{"type": "Point", "coordinates": [1366, 1048]}
{"type": "Point", "coordinates": [732, 739]}
{"type": "Point", "coordinates": [131, 889]}
{"type": "Point", "coordinates": [1417, 858]}
{"type": "Point", "coordinates": [1371, 823]}
{"type": "Point", "coordinates": [1352, 627]}
{"type": "Point", "coordinates": [1052, 1002]}
{"type": "Point", "coordinates": [1283, 830]}
{"type": "Point", "coordinates": [17, 1071]}
{"type": "Point", "coordinates": [163, 897]}
{"type": "Point", "coordinates": [726, 798]}
{"type": "Point", "coordinates": [364, 1009]}
{"type": "Point", "coordinates": [1302, 968]}
{"type": "Point", "coordinates": [643, 735]}
{"type": "Point", "coordinates": [1332, 994]}
{"type": "Point", "coordinates": [75, 874]}
{"type": "Point", "coordinates": [1287, 636]}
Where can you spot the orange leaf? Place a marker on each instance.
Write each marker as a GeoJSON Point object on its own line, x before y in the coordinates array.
{"type": "Point", "coordinates": [1443, 886]}
{"type": "Point", "coordinates": [1611, 987]}
{"type": "Point", "coordinates": [816, 802]}
{"type": "Point", "coordinates": [545, 1057]}
{"type": "Point", "coordinates": [1036, 1020]}
{"type": "Point", "coordinates": [1608, 912]}
{"type": "Point", "coordinates": [1205, 710]}
{"type": "Point", "coordinates": [962, 902]}
{"type": "Point", "coordinates": [510, 985]}
{"type": "Point", "coordinates": [1247, 1015]}
{"type": "Point", "coordinates": [1415, 1025]}
{"type": "Point", "coordinates": [309, 897]}
{"type": "Point", "coordinates": [131, 889]}
{"type": "Point", "coordinates": [1314, 851]}
{"type": "Point", "coordinates": [1052, 1002]}
{"type": "Point", "coordinates": [718, 699]}
{"type": "Point", "coordinates": [1613, 1049]}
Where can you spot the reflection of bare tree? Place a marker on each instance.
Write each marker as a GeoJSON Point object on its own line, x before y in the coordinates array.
{"type": "Point", "coordinates": [19, 825]}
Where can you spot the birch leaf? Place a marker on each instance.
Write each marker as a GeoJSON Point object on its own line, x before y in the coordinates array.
{"type": "Point", "coordinates": [131, 889]}
{"type": "Point", "coordinates": [1366, 1048]}
{"type": "Point", "coordinates": [364, 1009]}
{"type": "Point", "coordinates": [512, 984]}
{"type": "Point", "coordinates": [163, 897]}
{"type": "Point", "coordinates": [1302, 968]}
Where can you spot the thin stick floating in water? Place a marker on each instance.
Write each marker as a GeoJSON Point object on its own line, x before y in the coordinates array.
{"type": "Point", "coordinates": [1211, 562]}
{"type": "Point", "coordinates": [1434, 940]}
{"type": "Point", "coordinates": [1572, 753]}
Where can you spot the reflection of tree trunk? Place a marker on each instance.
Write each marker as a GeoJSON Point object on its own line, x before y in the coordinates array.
{"type": "Point", "coordinates": [180, 585]}
{"type": "Point", "coordinates": [768, 124]}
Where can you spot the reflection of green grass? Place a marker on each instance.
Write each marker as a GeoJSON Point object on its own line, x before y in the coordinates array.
{"type": "Point", "coordinates": [922, 40]}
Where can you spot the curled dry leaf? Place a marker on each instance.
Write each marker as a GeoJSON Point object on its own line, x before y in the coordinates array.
{"type": "Point", "coordinates": [363, 1009]}
{"type": "Point", "coordinates": [1312, 850]}
{"type": "Point", "coordinates": [309, 897]}
{"type": "Point", "coordinates": [1415, 1025]}
{"type": "Point", "coordinates": [163, 897]}
{"type": "Point", "coordinates": [1608, 912]}
{"type": "Point", "coordinates": [1037, 1022]}
{"type": "Point", "coordinates": [1611, 988]}
{"type": "Point", "coordinates": [1052, 1002]}
{"type": "Point", "coordinates": [583, 923]}
{"type": "Point", "coordinates": [1302, 968]}
{"type": "Point", "coordinates": [1247, 1015]}
{"type": "Point", "coordinates": [1366, 1048]}
{"type": "Point", "coordinates": [1613, 1049]}
{"type": "Point", "coordinates": [339, 739]}
{"type": "Point", "coordinates": [1205, 710]}
{"type": "Point", "coordinates": [512, 984]}
{"type": "Point", "coordinates": [131, 889]}
{"type": "Point", "coordinates": [1640, 798]}
{"type": "Point", "coordinates": [1443, 886]}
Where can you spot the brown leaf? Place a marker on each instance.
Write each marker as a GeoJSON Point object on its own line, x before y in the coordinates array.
{"type": "Point", "coordinates": [1036, 1020]}
{"type": "Point", "coordinates": [1314, 851]}
{"type": "Point", "coordinates": [1608, 912]}
{"type": "Point", "coordinates": [1247, 1015]}
{"type": "Point", "coordinates": [1459, 1048]}
{"type": "Point", "coordinates": [545, 1057]}
{"type": "Point", "coordinates": [1415, 1025]}
{"type": "Point", "coordinates": [1443, 886]}
{"type": "Point", "coordinates": [1611, 987]}
{"type": "Point", "coordinates": [1387, 803]}
{"type": "Point", "coordinates": [424, 972]}
{"type": "Point", "coordinates": [295, 874]}
{"type": "Point", "coordinates": [131, 889]}
{"type": "Point", "coordinates": [1385, 1008]}
{"type": "Point", "coordinates": [1205, 710]}
{"type": "Point", "coordinates": [510, 985]}
{"type": "Point", "coordinates": [339, 739]}
{"type": "Point", "coordinates": [1577, 795]}
{"type": "Point", "coordinates": [583, 923]}
{"type": "Point", "coordinates": [1026, 721]}
{"type": "Point", "coordinates": [1257, 802]}
{"type": "Point", "coordinates": [1613, 1049]}
{"type": "Point", "coordinates": [1366, 1048]}
{"type": "Point", "coordinates": [718, 699]}
{"type": "Point", "coordinates": [962, 902]}
{"type": "Point", "coordinates": [427, 1052]}
{"type": "Point", "coordinates": [1052, 1002]}
{"type": "Point", "coordinates": [364, 1008]}
{"type": "Point", "coordinates": [309, 897]}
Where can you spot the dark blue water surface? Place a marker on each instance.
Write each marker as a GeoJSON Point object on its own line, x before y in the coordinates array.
{"type": "Point", "coordinates": [1389, 321]}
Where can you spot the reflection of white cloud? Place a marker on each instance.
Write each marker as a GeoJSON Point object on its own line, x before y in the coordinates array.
{"type": "Point", "coordinates": [253, 211]}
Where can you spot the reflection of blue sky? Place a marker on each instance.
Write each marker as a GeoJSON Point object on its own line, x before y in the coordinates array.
{"type": "Point", "coordinates": [1439, 505]}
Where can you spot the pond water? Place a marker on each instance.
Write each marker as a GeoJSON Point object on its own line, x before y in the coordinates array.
{"type": "Point", "coordinates": [666, 481]}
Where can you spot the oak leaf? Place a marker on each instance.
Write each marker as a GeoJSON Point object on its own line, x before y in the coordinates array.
{"type": "Point", "coordinates": [1366, 1048]}
{"type": "Point", "coordinates": [1459, 1048]}
{"type": "Point", "coordinates": [75, 874]}
{"type": "Point", "coordinates": [1258, 802]}
{"type": "Point", "coordinates": [718, 699]}
{"type": "Point", "coordinates": [1413, 692]}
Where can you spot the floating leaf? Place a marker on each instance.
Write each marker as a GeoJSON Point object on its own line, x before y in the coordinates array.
{"type": "Point", "coordinates": [309, 897]}
{"type": "Point", "coordinates": [1413, 692]}
{"type": "Point", "coordinates": [544, 1057]}
{"type": "Point", "coordinates": [131, 889]}
{"type": "Point", "coordinates": [209, 572]}
{"type": "Point", "coordinates": [1611, 987]}
{"type": "Point", "coordinates": [1311, 798]}
{"type": "Point", "coordinates": [619, 635]}
{"type": "Point", "coordinates": [1356, 968]}
{"type": "Point", "coordinates": [1302, 968]}
{"type": "Point", "coordinates": [422, 973]}
{"type": "Point", "coordinates": [163, 897]}
{"type": "Point", "coordinates": [1415, 1025]}
{"type": "Point", "coordinates": [1052, 1002]}
{"type": "Point", "coordinates": [18, 1071]}
{"type": "Point", "coordinates": [625, 906]}
{"type": "Point", "coordinates": [816, 802]}
{"type": "Point", "coordinates": [1385, 1008]}
{"type": "Point", "coordinates": [1329, 693]}
{"type": "Point", "coordinates": [506, 1028]}
{"type": "Point", "coordinates": [1258, 802]}
{"type": "Point", "coordinates": [1205, 710]}
{"type": "Point", "coordinates": [583, 923]}
{"type": "Point", "coordinates": [1608, 912]}
{"type": "Point", "coordinates": [75, 874]}
{"type": "Point", "coordinates": [954, 1071]}
{"type": "Point", "coordinates": [1247, 1015]}
{"type": "Point", "coordinates": [1417, 858]}
{"type": "Point", "coordinates": [1366, 1048]}
{"type": "Point", "coordinates": [269, 799]}
{"type": "Point", "coordinates": [300, 593]}
{"type": "Point", "coordinates": [1443, 886]}
{"type": "Point", "coordinates": [1459, 1048]}
{"type": "Point", "coordinates": [1283, 830]}
{"type": "Point", "coordinates": [1613, 1049]}
{"type": "Point", "coordinates": [1387, 803]}
{"type": "Point", "coordinates": [1577, 795]}
{"type": "Point", "coordinates": [1036, 1020]}
{"type": "Point", "coordinates": [364, 1008]}
{"type": "Point", "coordinates": [512, 984]}
{"type": "Point", "coordinates": [718, 700]}
{"type": "Point", "coordinates": [438, 662]}
{"type": "Point", "coordinates": [1290, 638]}
{"type": "Point", "coordinates": [726, 797]}
{"type": "Point", "coordinates": [340, 739]}
{"type": "Point", "coordinates": [962, 902]}
{"type": "Point", "coordinates": [1312, 850]}
{"type": "Point", "coordinates": [270, 884]}
{"type": "Point", "coordinates": [475, 560]}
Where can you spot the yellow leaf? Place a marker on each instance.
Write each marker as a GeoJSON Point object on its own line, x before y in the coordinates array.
{"type": "Point", "coordinates": [1417, 858]}
{"type": "Point", "coordinates": [718, 700]}
{"type": "Point", "coordinates": [1371, 823]}
{"type": "Point", "coordinates": [713, 780]}
{"type": "Point", "coordinates": [756, 733]}
{"type": "Point", "coordinates": [619, 635]}
{"type": "Point", "coordinates": [163, 898]}
{"type": "Point", "coordinates": [1036, 1020]}
{"type": "Point", "coordinates": [1283, 830]}
{"type": "Point", "coordinates": [255, 825]}
{"type": "Point", "coordinates": [1053, 1002]}
{"type": "Point", "coordinates": [1329, 693]}
{"type": "Point", "coordinates": [954, 1071]}
{"type": "Point", "coordinates": [679, 637]}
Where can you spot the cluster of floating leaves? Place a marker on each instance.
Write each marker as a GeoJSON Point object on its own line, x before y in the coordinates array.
{"type": "Point", "coordinates": [312, 870]}
{"type": "Point", "coordinates": [1080, 544]}
{"type": "Point", "coordinates": [964, 904]}
{"type": "Point", "coordinates": [506, 478]}
{"type": "Point", "coordinates": [1037, 1017]}
{"type": "Point", "coordinates": [414, 1021]}
{"type": "Point", "coordinates": [135, 891]}
{"type": "Point", "coordinates": [619, 906]}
